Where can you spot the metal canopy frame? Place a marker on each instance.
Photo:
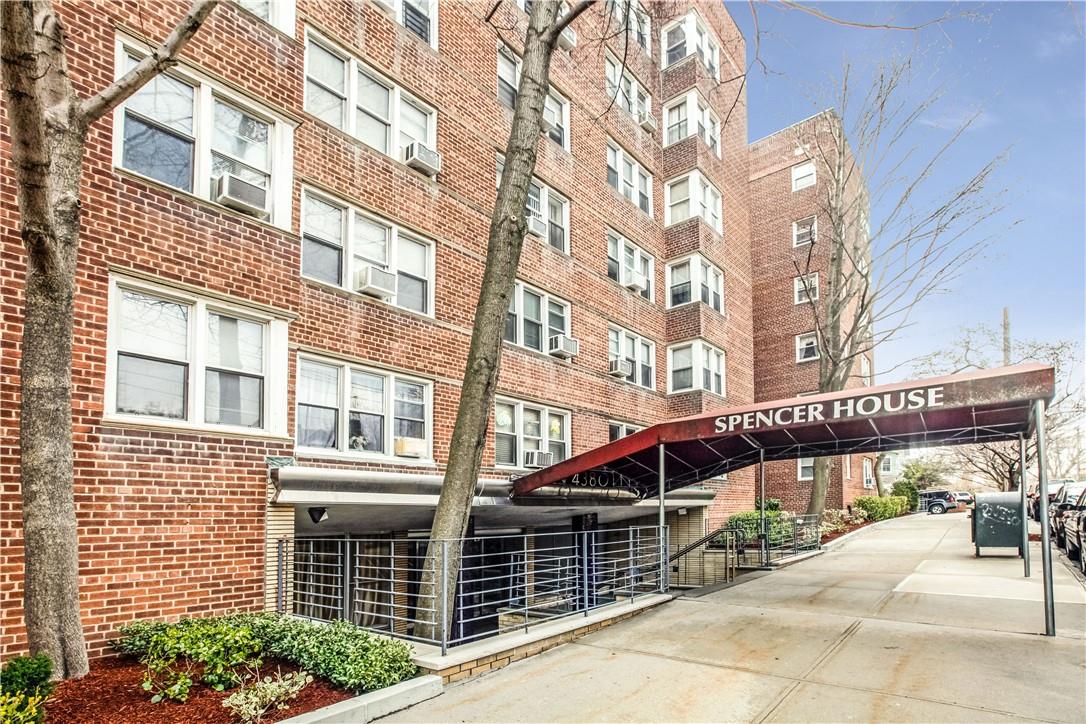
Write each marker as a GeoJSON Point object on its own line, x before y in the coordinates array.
{"type": "Point", "coordinates": [1001, 404]}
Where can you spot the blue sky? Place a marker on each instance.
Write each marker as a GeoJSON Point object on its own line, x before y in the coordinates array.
{"type": "Point", "coordinates": [1023, 65]}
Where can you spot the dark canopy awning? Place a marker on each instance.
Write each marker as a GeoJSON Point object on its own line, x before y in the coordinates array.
{"type": "Point", "coordinates": [953, 410]}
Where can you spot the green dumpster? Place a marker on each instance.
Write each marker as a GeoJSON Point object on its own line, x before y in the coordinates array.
{"type": "Point", "coordinates": [997, 521]}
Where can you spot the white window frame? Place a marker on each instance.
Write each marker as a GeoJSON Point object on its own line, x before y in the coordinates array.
{"type": "Point", "coordinates": [433, 16]}
{"type": "Point", "coordinates": [690, 24]}
{"type": "Point", "coordinates": [624, 337]}
{"type": "Point", "coordinates": [698, 185]}
{"type": "Point", "coordinates": [343, 410]}
{"type": "Point", "coordinates": [625, 428]}
{"type": "Point", "coordinates": [698, 264]}
{"type": "Point", "coordinates": [545, 194]}
{"type": "Point", "coordinates": [624, 158]}
{"type": "Point", "coordinates": [640, 256]}
{"type": "Point", "coordinates": [848, 466]}
{"type": "Point", "coordinates": [868, 473]}
{"type": "Point", "coordinates": [563, 104]}
{"type": "Point", "coordinates": [349, 269]}
{"type": "Point", "coordinates": [795, 231]}
{"type": "Point", "coordinates": [888, 464]}
{"type": "Point", "coordinates": [801, 463]}
{"type": "Point", "coordinates": [637, 89]}
{"type": "Point", "coordinates": [695, 109]}
{"type": "Point", "coordinates": [397, 97]}
{"type": "Point", "coordinates": [518, 425]}
{"type": "Point", "coordinates": [865, 371]}
{"type": "Point", "coordinates": [281, 15]}
{"type": "Point", "coordinates": [698, 349]}
{"type": "Point", "coordinates": [616, 8]}
{"type": "Point", "coordinates": [801, 343]}
{"type": "Point", "coordinates": [279, 204]}
{"type": "Point", "coordinates": [804, 175]}
{"type": "Point", "coordinates": [805, 293]}
{"type": "Point", "coordinates": [546, 298]}
{"type": "Point", "coordinates": [274, 364]}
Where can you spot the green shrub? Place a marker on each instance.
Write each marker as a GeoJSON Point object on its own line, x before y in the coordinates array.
{"type": "Point", "coordinates": [770, 504]}
{"type": "Point", "coordinates": [250, 703]}
{"type": "Point", "coordinates": [18, 708]}
{"type": "Point", "coordinates": [218, 647]}
{"type": "Point", "coordinates": [882, 508]}
{"type": "Point", "coordinates": [909, 490]}
{"type": "Point", "coordinates": [26, 685]}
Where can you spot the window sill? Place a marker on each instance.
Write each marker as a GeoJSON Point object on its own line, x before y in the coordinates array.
{"type": "Point", "coordinates": [805, 361]}
{"type": "Point", "coordinates": [534, 352]}
{"type": "Point", "coordinates": [145, 423]}
{"type": "Point", "coordinates": [650, 300]}
{"type": "Point", "coordinates": [357, 457]}
{"type": "Point", "coordinates": [130, 175]}
{"type": "Point", "coordinates": [686, 391]}
{"type": "Point", "coordinates": [309, 117]}
{"type": "Point", "coordinates": [358, 295]}
{"type": "Point", "coordinates": [722, 312]}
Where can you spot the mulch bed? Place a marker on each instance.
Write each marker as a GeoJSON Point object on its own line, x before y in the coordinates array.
{"type": "Point", "coordinates": [111, 694]}
{"type": "Point", "coordinates": [848, 529]}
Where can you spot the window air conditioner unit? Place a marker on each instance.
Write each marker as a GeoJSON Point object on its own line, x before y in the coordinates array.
{"type": "Point", "coordinates": [386, 6]}
{"type": "Point", "coordinates": [636, 282]}
{"type": "Point", "coordinates": [552, 116]}
{"type": "Point", "coordinates": [422, 158]}
{"type": "Point", "coordinates": [538, 458]}
{"type": "Point", "coordinates": [567, 39]}
{"type": "Point", "coordinates": [647, 121]}
{"type": "Point", "coordinates": [410, 447]}
{"type": "Point", "coordinates": [563, 346]}
{"type": "Point", "coordinates": [239, 194]}
{"type": "Point", "coordinates": [620, 368]}
{"type": "Point", "coordinates": [375, 282]}
{"type": "Point", "coordinates": [537, 226]}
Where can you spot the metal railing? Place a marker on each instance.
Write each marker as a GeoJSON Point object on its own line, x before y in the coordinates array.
{"type": "Point", "coordinates": [505, 583]}
{"type": "Point", "coordinates": [785, 536]}
{"type": "Point", "coordinates": [707, 561]}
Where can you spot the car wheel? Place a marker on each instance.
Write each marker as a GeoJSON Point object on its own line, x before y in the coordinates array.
{"type": "Point", "coordinates": [937, 508]}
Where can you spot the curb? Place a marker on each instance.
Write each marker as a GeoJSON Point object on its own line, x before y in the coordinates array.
{"type": "Point", "coordinates": [373, 705]}
{"type": "Point", "coordinates": [836, 541]}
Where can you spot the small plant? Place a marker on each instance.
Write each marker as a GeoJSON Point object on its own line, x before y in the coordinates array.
{"type": "Point", "coordinates": [219, 647]}
{"type": "Point", "coordinates": [26, 686]}
{"type": "Point", "coordinates": [250, 703]}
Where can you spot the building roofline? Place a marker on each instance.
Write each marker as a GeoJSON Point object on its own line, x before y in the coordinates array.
{"type": "Point", "coordinates": [793, 125]}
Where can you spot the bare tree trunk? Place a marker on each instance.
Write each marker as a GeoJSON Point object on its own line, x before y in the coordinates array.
{"type": "Point", "coordinates": [507, 228]}
{"type": "Point", "coordinates": [880, 485]}
{"type": "Point", "coordinates": [49, 122]}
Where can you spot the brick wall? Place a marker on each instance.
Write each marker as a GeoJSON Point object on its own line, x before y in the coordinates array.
{"type": "Point", "coordinates": [173, 521]}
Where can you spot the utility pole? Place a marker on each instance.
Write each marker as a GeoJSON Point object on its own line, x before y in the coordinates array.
{"type": "Point", "coordinates": [1006, 336]}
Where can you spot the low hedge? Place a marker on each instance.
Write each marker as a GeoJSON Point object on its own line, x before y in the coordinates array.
{"type": "Point", "coordinates": [339, 651]}
{"type": "Point", "coordinates": [749, 524]}
{"type": "Point", "coordinates": [878, 508]}
{"type": "Point", "coordinates": [26, 683]}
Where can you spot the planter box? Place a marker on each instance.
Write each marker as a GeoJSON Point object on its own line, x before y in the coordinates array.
{"type": "Point", "coordinates": [375, 704]}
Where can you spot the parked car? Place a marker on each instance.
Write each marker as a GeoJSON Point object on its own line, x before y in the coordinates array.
{"type": "Point", "coordinates": [963, 498]}
{"type": "Point", "coordinates": [1065, 500]}
{"type": "Point", "coordinates": [1074, 535]}
{"type": "Point", "coordinates": [1033, 496]}
{"type": "Point", "coordinates": [937, 501]}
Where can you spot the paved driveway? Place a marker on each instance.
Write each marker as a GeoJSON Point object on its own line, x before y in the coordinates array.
{"type": "Point", "coordinates": [899, 623]}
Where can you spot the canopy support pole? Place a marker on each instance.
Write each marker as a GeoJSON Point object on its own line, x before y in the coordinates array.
{"type": "Point", "coordinates": [761, 506]}
{"type": "Point", "coordinates": [1042, 510]}
{"type": "Point", "coordinates": [1022, 493]}
{"type": "Point", "coordinates": [661, 484]}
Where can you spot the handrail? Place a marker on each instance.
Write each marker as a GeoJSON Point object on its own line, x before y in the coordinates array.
{"type": "Point", "coordinates": [699, 542]}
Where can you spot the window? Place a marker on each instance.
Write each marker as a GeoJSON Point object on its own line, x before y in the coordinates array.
{"type": "Point", "coordinates": [628, 177]}
{"type": "Point", "coordinates": [619, 430]}
{"type": "Point", "coordinates": [695, 275]}
{"type": "Point", "coordinates": [696, 365]}
{"type": "Point", "coordinates": [804, 231]}
{"type": "Point", "coordinates": [547, 212]}
{"type": "Point", "coordinates": [805, 288]}
{"type": "Point", "coordinates": [848, 466]}
{"type": "Point", "coordinates": [556, 115]}
{"type": "Point", "coordinates": [278, 13]}
{"type": "Point", "coordinates": [630, 265]}
{"type": "Point", "coordinates": [690, 115]}
{"type": "Point", "coordinates": [638, 26]}
{"type": "Point", "coordinates": [420, 17]}
{"type": "Point", "coordinates": [628, 93]}
{"type": "Point", "coordinates": [339, 242]}
{"type": "Point", "coordinates": [869, 473]}
{"type": "Point", "coordinates": [346, 408]}
{"type": "Point", "coordinates": [534, 317]}
{"type": "Point", "coordinates": [805, 468]}
{"type": "Point", "coordinates": [345, 93]}
{"type": "Point", "coordinates": [693, 195]}
{"type": "Point", "coordinates": [807, 347]}
{"type": "Point", "coordinates": [638, 351]}
{"type": "Point", "coordinates": [508, 76]}
{"type": "Point", "coordinates": [522, 426]}
{"type": "Point", "coordinates": [803, 175]}
{"type": "Point", "coordinates": [183, 131]}
{"type": "Point", "coordinates": [888, 464]}
{"type": "Point", "coordinates": [186, 360]}
{"type": "Point", "coordinates": [865, 370]}
{"type": "Point", "coordinates": [689, 35]}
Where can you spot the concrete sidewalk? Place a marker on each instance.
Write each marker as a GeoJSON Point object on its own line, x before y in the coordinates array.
{"type": "Point", "coordinates": [900, 623]}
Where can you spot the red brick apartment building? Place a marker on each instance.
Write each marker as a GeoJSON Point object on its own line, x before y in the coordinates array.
{"type": "Point", "coordinates": [283, 240]}
{"type": "Point", "coordinates": [788, 192]}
